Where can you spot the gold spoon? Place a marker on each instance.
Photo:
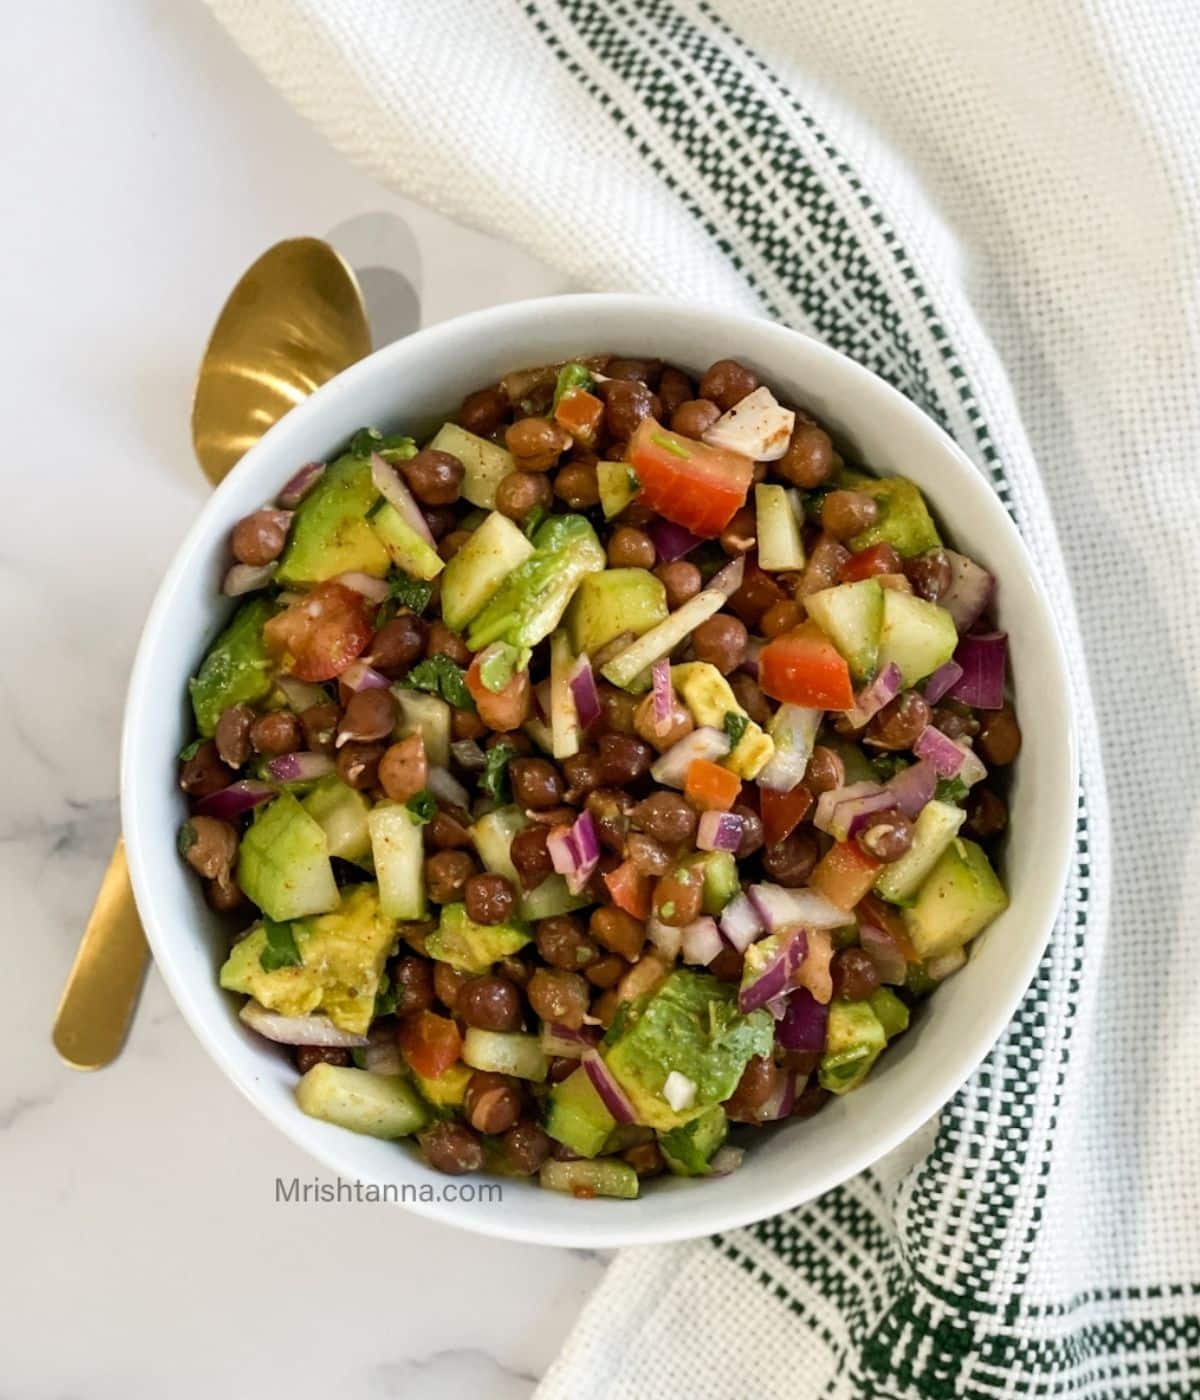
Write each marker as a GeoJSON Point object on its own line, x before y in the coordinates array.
{"type": "Point", "coordinates": [294, 320]}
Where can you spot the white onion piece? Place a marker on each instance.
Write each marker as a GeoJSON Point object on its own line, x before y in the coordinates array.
{"type": "Point", "coordinates": [390, 485]}
{"type": "Point", "coordinates": [701, 941]}
{"type": "Point", "coordinates": [671, 769]}
{"type": "Point", "coordinates": [299, 1030]}
{"type": "Point", "coordinates": [245, 578]}
{"type": "Point", "coordinates": [374, 590]}
{"type": "Point", "coordinates": [665, 937]}
{"type": "Point", "coordinates": [793, 728]}
{"type": "Point", "coordinates": [941, 967]}
{"type": "Point", "coordinates": [726, 1160]}
{"type": "Point", "coordinates": [741, 922]}
{"type": "Point", "coordinates": [679, 1091]}
{"type": "Point", "coordinates": [301, 695]}
{"type": "Point", "coordinates": [758, 426]}
{"type": "Point", "coordinates": [779, 908]}
{"type": "Point", "coordinates": [726, 581]}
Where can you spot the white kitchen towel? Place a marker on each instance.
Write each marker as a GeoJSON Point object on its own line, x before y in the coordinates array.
{"type": "Point", "coordinates": [994, 205]}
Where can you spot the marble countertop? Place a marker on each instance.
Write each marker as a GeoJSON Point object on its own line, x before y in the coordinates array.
{"type": "Point", "coordinates": [146, 1253]}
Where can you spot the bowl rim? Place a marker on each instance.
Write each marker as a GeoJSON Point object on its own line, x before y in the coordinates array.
{"type": "Point", "coordinates": [603, 1229]}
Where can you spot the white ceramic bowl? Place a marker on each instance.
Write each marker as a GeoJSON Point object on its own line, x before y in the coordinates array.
{"type": "Point", "coordinates": [413, 383]}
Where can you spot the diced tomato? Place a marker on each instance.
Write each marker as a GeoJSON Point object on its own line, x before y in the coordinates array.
{"type": "Point", "coordinates": [844, 874]}
{"type": "Point", "coordinates": [876, 911]}
{"type": "Point", "coordinates": [430, 1043]}
{"type": "Point", "coordinates": [696, 486]}
{"type": "Point", "coordinates": [501, 710]}
{"type": "Point", "coordinates": [711, 787]}
{"type": "Point", "coordinates": [867, 563]}
{"type": "Point", "coordinates": [321, 633]}
{"type": "Point", "coordinates": [805, 668]}
{"type": "Point", "coordinates": [630, 889]}
{"type": "Point", "coordinates": [782, 812]}
{"type": "Point", "coordinates": [580, 413]}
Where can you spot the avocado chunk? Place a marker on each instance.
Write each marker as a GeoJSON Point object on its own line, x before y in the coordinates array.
{"type": "Point", "coordinates": [342, 957]}
{"type": "Point", "coordinates": [612, 602]}
{"type": "Point", "coordinates": [904, 520]}
{"type": "Point", "coordinates": [709, 696]}
{"type": "Point", "coordinates": [918, 636]}
{"type": "Point", "coordinates": [341, 814]}
{"type": "Point", "coordinates": [445, 1090]}
{"type": "Point", "coordinates": [607, 1177]}
{"type": "Point", "coordinates": [961, 896]}
{"type": "Point", "coordinates": [377, 1105]}
{"type": "Point", "coordinates": [283, 862]}
{"type": "Point", "coordinates": [476, 572]}
{"type": "Point", "coordinates": [530, 603]}
{"type": "Point", "coordinates": [408, 549]}
{"type": "Point", "coordinates": [890, 1011]}
{"type": "Point", "coordinates": [721, 881]}
{"type": "Point", "coordinates": [576, 1115]}
{"type": "Point", "coordinates": [330, 534]}
{"type": "Point", "coordinates": [690, 1025]}
{"type": "Point", "coordinates": [689, 1149]}
{"type": "Point", "coordinates": [851, 616]}
{"type": "Point", "coordinates": [854, 1038]}
{"type": "Point", "coordinates": [473, 947]}
{"type": "Point", "coordinates": [236, 670]}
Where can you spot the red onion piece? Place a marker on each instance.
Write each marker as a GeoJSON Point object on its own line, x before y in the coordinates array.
{"type": "Point", "coordinates": [235, 799]}
{"type": "Point", "coordinates": [779, 908]}
{"type": "Point", "coordinates": [467, 754]}
{"type": "Point", "coordinates": [701, 941]}
{"type": "Point", "coordinates": [969, 593]}
{"type": "Point", "coordinates": [359, 676]}
{"type": "Point", "coordinates": [374, 590]}
{"type": "Point", "coordinates": [300, 767]}
{"type": "Point", "coordinates": [671, 541]}
{"type": "Point", "coordinates": [913, 787]}
{"type": "Point", "coordinates": [665, 937]}
{"type": "Point", "coordinates": [390, 485]}
{"type": "Point", "coordinates": [301, 484]}
{"type": "Point", "coordinates": [605, 1084]}
{"type": "Point", "coordinates": [804, 1023]}
{"type": "Point", "coordinates": [741, 922]}
{"type": "Point", "coordinates": [940, 751]}
{"type": "Point", "coordinates": [942, 680]}
{"type": "Point", "coordinates": [872, 698]}
{"type": "Point", "coordinates": [575, 851]}
{"type": "Point", "coordinates": [246, 578]}
{"type": "Point", "coordinates": [671, 769]}
{"type": "Point", "coordinates": [884, 952]}
{"type": "Point", "coordinates": [983, 657]}
{"type": "Point", "coordinates": [779, 1103]}
{"type": "Point", "coordinates": [973, 769]}
{"type": "Point", "coordinates": [826, 818]}
{"type": "Point", "coordinates": [771, 964]}
{"type": "Point", "coordinates": [719, 831]}
{"type": "Point", "coordinates": [563, 1041]}
{"type": "Point", "coordinates": [383, 1052]}
{"type": "Point", "coordinates": [729, 579]}
{"type": "Point", "coordinates": [446, 788]}
{"type": "Point", "coordinates": [299, 1030]}
{"type": "Point", "coordinates": [583, 691]}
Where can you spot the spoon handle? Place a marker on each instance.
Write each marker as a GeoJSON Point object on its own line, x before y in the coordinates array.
{"type": "Point", "coordinates": [105, 979]}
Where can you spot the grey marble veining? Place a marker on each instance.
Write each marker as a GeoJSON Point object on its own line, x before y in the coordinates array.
{"type": "Point", "coordinates": [145, 1253]}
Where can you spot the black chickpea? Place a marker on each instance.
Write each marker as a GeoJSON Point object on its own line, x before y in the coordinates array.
{"type": "Point", "coordinates": [369, 715]}
{"type": "Point", "coordinates": [899, 724]}
{"type": "Point", "coordinates": [259, 538]}
{"type": "Point", "coordinates": [666, 817]}
{"type": "Point", "coordinates": [276, 733]}
{"type": "Point", "coordinates": [680, 579]}
{"type": "Point", "coordinates": [929, 574]}
{"type": "Point", "coordinates": [887, 836]}
{"type": "Point", "coordinates": [809, 459]}
{"type": "Point", "coordinates": [576, 485]}
{"type": "Point", "coordinates": [678, 896]}
{"type": "Point", "coordinates": [845, 514]}
{"type": "Point", "coordinates": [536, 783]}
{"type": "Point", "coordinates": [483, 411]}
{"type": "Point", "coordinates": [854, 975]}
{"type": "Point", "coordinates": [399, 644]}
{"type": "Point", "coordinates": [626, 403]}
{"type": "Point", "coordinates": [412, 977]}
{"type": "Point", "coordinates": [490, 898]}
{"type": "Point", "coordinates": [519, 493]}
{"type": "Point", "coordinates": [319, 723]}
{"type": "Point", "coordinates": [530, 855]}
{"type": "Point", "coordinates": [526, 1146]}
{"type": "Point", "coordinates": [490, 1003]}
{"type": "Point", "coordinates": [662, 733]}
{"type": "Point", "coordinates": [451, 1147]}
{"type": "Point", "coordinates": [441, 641]}
{"type": "Point", "coordinates": [721, 640]}
{"type": "Point", "coordinates": [358, 765]}
{"type": "Point", "coordinates": [674, 390]}
{"type": "Point", "coordinates": [536, 444]}
{"type": "Point", "coordinates": [694, 418]}
{"type": "Point", "coordinates": [446, 875]}
{"type": "Point", "coordinates": [434, 477]}
{"type": "Point", "coordinates": [232, 735]}
{"type": "Point", "coordinates": [621, 758]}
{"type": "Point", "coordinates": [492, 1103]}
{"type": "Point", "coordinates": [727, 383]}
{"type": "Point", "coordinates": [825, 771]}
{"type": "Point", "coordinates": [791, 861]}
{"type": "Point", "coordinates": [559, 997]}
{"type": "Point", "coordinates": [404, 769]}
{"type": "Point", "coordinates": [562, 942]}
{"type": "Point", "coordinates": [629, 548]}
{"type": "Point", "coordinates": [999, 737]}
{"type": "Point", "coordinates": [621, 934]}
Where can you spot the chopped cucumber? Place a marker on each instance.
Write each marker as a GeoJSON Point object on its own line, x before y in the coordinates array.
{"type": "Point", "coordinates": [611, 602]}
{"type": "Point", "coordinates": [605, 1177]}
{"type": "Point", "coordinates": [935, 827]}
{"type": "Point", "coordinates": [618, 486]}
{"type": "Point", "coordinates": [398, 846]}
{"type": "Point", "coordinates": [890, 1011]}
{"type": "Point", "coordinates": [342, 814]}
{"type": "Point", "coordinates": [851, 616]}
{"type": "Point", "coordinates": [625, 668]}
{"type": "Point", "coordinates": [471, 947]}
{"type": "Point", "coordinates": [564, 720]}
{"type": "Point", "coordinates": [918, 636]}
{"type": "Point", "coordinates": [476, 572]}
{"type": "Point", "coordinates": [283, 863]}
{"type": "Point", "coordinates": [429, 716]}
{"type": "Point", "coordinates": [378, 1105]}
{"type": "Point", "coordinates": [486, 464]}
{"type": "Point", "coordinates": [505, 1052]}
{"type": "Point", "coordinates": [959, 899]}
{"type": "Point", "coordinates": [576, 1115]}
{"type": "Point", "coordinates": [778, 529]}
{"type": "Point", "coordinates": [405, 547]}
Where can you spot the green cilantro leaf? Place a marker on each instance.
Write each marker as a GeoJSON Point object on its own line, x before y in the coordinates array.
{"type": "Point", "coordinates": [887, 765]}
{"type": "Point", "coordinates": [187, 838]}
{"type": "Point", "coordinates": [534, 519]}
{"type": "Point", "coordinates": [494, 779]}
{"type": "Point", "coordinates": [413, 593]}
{"type": "Point", "coordinates": [735, 725]}
{"type": "Point", "coordinates": [386, 996]}
{"type": "Point", "coordinates": [190, 750]}
{"type": "Point", "coordinates": [422, 806]}
{"type": "Point", "coordinates": [280, 948]}
{"type": "Point", "coordinates": [951, 790]}
{"type": "Point", "coordinates": [571, 376]}
{"type": "Point", "coordinates": [441, 676]}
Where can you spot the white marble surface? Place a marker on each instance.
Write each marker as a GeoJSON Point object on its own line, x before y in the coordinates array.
{"type": "Point", "coordinates": [144, 165]}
